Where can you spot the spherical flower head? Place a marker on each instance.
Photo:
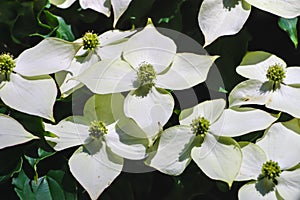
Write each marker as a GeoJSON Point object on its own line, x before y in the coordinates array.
{"type": "Point", "coordinates": [7, 64]}
{"type": "Point", "coordinates": [146, 74]}
{"type": "Point", "coordinates": [97, 129]}
{"type": "Point", "coordinates": [276, 74]}
{"type": "Point", "coordinates": [271, 170]}
{"type": "Point", "coordinates": [200, 126]}
{"type": "Point", "coordinates": [90, 41]}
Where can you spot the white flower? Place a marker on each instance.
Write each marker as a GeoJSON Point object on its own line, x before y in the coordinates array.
{"type": "Point", "coordinates": [12, 132]}
{"type": "Point", "coordinates": [271, 163]}
{"type": "Point", "coordinates": [271, 83]}
{"type": "Point", "coordinates": [225, 17]}
{"type": "Point", "coordinates": [34, 95]}
{"type": "Point", "coordinates": [151, 63]}
{"type": "Point", "coordinates": [200, 136]}
{"type": "Point", "coordinates": [70, 58]}
{"type": "Point", "coordinates": [103, 142]}
{"type": "Point", "coordinates": [102, 6]}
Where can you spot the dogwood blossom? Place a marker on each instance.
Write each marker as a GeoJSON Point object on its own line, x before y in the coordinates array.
{"type": "Point", "coordinates": [201, 137]}
{"type": "Point", "coordinates": [150, 65]}
{"type": "Point", "coordinates": [33, 95]}
{"type": "Point", "coordinates": [104, 141]}
{"type": "Point", "coordinates": [271, 83]}
{"type": "Point", "coordinates": [68, 59]}
{"type": "Point", "coordinates": [271, 164]}
{"type": "Point", "coordinates": [218, 18]}
{"type": "Point", "coordinates": [101, 6]}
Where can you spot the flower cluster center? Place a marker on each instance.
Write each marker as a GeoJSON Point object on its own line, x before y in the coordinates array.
{"type": "Point", "coordinates": [200, 126]}
{"type": "Point", "coordinates": [90, 41]}
{"type": "Point", "coordinates": [97, 129]}
{"type": "Point", "coordinates": [276, 73]}
{"type": "Point", "coordinates": [146, 74]}
{"type": "Point", "coordinates": [6, 64]}
{"type": "Point", "coordinates": [271, 170]}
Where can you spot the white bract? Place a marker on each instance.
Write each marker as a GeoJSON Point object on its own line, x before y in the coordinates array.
{"type": "Point", "coordinates": [227, 17]}
{"type": "Point", "coordinates": [102, 6]}
{"type": "Point", "coordinates": [34, 95]}
{"type": "Point", "coordinates": [271, 163]}
{"type": "Point", "coordinates": [104, 142]}
{"type": "Point", "coordinates": [150, 64]}
{"type": "Point", "coordinates": [201, 137]}
{"type": "Point", "coordinates": [12, 132]}
{"type": "Point", "coordinates": [271, 84]}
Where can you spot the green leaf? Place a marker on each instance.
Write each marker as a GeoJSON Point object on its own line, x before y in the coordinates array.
{"type": "Point", "coordinates": [34, 161]}
{"type": "Point", "coordinates": [290, 26]}
{"type": "Point", "coordinates": [49, 187]}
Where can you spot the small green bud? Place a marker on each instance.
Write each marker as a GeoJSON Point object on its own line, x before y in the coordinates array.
{"type": "Point", "coordinates": [276, 73]}
{"type": "Point", "coordinates": [7, 64]}
{"type": "Point", "coordinates": [90, 41]}
{"type": "Point", "coordinates": [200, 126]}
{"type": "Point", "coordinates": [97, 129]}
{"type": "Point", "coordinates": [271, 170]}
{"type": "Point", "coordinates": [146, 74]}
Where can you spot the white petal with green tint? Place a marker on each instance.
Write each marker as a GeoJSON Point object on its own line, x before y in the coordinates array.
{"type": "Point", "coordinates": [78, 65]}
{"type": "Point", "coordinates": [95, 172]}
{"type": "Point", "coordinates": [124, 144]}
{"type": "Point", "coordinates": [237, 122]}
{"type": "Point", "coordinates": [35, 96]}
{"type": "Point", "coordinates": [174, 150]}
{"type": "Point", "coordinates": [250, 92]}
{"type": "Point", "coordinates": [108, 76]}
{"type": "Point", "coordinates": [119, 7]}
{"type": "Point", "coordinates": [253, 190]}
{"type": "Point", "coordinates": [62, 3]}
{"type": "Point", "coordinates": [210, 110]}
{"type": "Point", "coordinates": [286, 99]}
{"type": "Point", "coordinates": [219, 158]}
{"type": "Point", "coordinates": [255, 65]}
{"type": "Point", "coordinates": [110, 51]}
{"type": "Point", "coordinates": [101, 6]}
{"type": "Point", "coordinates": [68, 133]}
{"type": "Point", "coordinates": [113, 37]}
{"type": "Point", "coordinates": [217, 18]}
{"type": "Point", "coordinates": [151, 47]}
{"type": "Point", "coordinates": [150, 112]}
{"type": "Point", "coordinates": [12, 132]}
{"type": "Point", "coordinates": [57, 52]}
{"type": "Point", "coordinates": [282, 8]}
{"type": "Point", "coordinates": [253, 160]}
{"type": "Point", "coordinates": [187, 70]}
{"type": "Point", "coordinates": [281, 145]}
{"type": "Point", "coordinates": [292, 76]}
{"type": "Point", "coordinates": [288, 184]}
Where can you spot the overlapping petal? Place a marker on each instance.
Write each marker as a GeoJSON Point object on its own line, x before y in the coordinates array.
{"type": "Point", "coordinates": [174, 150]}
{"type": "Point", "coordinates": [101, 6]}
{"type": "Point", "coordinates": [256, 191]}
{"type": "Point", "coordinates": [288, 184]}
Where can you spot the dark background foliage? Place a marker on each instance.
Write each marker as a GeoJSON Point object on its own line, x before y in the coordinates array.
{"type": "Point", "coordinates": [34, 171]}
